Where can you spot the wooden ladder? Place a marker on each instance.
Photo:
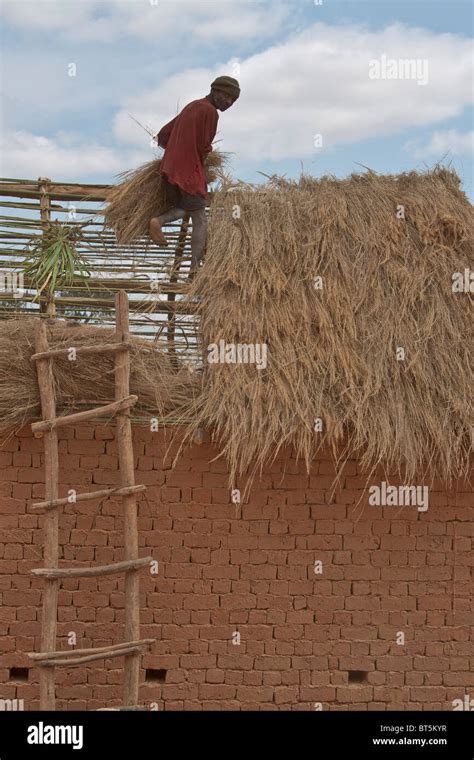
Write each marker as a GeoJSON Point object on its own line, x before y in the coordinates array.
{"type": "Point", "coordinates": [48, 659]}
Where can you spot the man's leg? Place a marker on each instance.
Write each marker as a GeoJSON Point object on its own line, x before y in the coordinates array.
{"type": "Point", "coordinates": [156, 233]}
{"type": "Point", "coordinates": [198, 238]}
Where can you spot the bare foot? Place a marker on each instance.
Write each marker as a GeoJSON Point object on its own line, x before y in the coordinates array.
{"type": "Point", "coordinates": [156, 233]}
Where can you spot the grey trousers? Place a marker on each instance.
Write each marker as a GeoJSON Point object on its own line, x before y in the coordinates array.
{"type": "Point", "coordinates": [198, 234]}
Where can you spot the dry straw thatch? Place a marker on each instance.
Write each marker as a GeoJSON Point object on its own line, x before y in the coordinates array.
{"type": "Point", "coordinates": [141, 195]}
{"type": "Point", "coordinates": [89, 379]}
{"type": "Point", "coordinates": [332, 352]}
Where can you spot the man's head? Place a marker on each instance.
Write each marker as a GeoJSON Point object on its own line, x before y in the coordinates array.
{"type": "Point", "coordinates": [224, 92]}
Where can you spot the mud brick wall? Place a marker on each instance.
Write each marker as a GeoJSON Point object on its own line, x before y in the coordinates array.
{"type": "Point", "coordinates": [307, 640]}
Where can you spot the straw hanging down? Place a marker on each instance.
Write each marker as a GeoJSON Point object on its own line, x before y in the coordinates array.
{"type": "Point", "coordinates": [386, 249]}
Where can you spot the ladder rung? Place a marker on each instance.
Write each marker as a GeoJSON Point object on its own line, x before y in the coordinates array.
{"type": "Point", "coordinates": [89, 657]}
{"type": "Point", "coordinates": [89, 414]}
{"type": "Point", "coordinates": [92, 650]}
{"type": "Point", "coordinates": [99, 348]}
{"type": "Point", "coordinates": [125, 491]}
{"type": "Point", "coordinates": [83, 572]}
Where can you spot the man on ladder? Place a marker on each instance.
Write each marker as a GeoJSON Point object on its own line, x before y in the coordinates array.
{"type": "Point", "coordinates": [187, 140]}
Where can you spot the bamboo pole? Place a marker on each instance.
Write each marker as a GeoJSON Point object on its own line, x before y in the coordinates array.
{"type": "Point", "coordinates": [24, 188]}
{"type": "Point", "coordinates": [51, 520]}
{"type": "Point", "coordinates": [127, 477]}
{"type": "Point", "coordinates": [181, 308]}
{"type": "Point", "coordinates": [57, 192]}
{"type": "Point", "coordinates": [178, 256]}
{"type": "Point", "coordinates": [45, 214]}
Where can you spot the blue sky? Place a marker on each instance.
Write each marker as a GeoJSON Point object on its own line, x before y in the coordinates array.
{"type": "Point", "coordinates": [303, 68]}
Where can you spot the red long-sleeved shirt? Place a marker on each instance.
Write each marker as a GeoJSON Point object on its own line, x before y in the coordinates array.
{"type": "Point", "coordinates": [187, 139]}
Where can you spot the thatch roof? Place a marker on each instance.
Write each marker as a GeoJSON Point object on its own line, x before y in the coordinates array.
{"type": "Point", "coordinates": [386, 248]}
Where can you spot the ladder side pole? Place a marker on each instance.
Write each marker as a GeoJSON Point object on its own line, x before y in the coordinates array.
{"type": "Point", "coordinates": [127, 478]}
{"type": "Point", "coordinates": [51, 519]}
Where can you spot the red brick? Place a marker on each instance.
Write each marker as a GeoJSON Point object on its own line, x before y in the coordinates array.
{"type": "Point", "coordinates": [255, 694]}
{"type": "Point", "coordinates": [217, 691]}
{"type": "Point", "coordinates": [249, 568]}
{"type": "Point", "coordinates": [355, 693]}
{"type": "Point", "coordinates": [86, 447]}
{"type": "Point", "coordinates": [318, 694]}
{"type": "Point", "coordinates": [272, 663]}
{"type": "Point", "coordinates": [427, 693]}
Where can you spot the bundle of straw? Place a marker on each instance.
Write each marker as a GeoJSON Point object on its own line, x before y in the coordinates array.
{"type": "Point", "coordinates": [386, 248]}
{"type": "Point", "coordinates": [158, 386]}
{"type": "Point", "coordinates": [141, 195]}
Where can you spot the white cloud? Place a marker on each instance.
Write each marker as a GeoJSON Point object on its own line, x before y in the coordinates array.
{"type": "Point", "coordinates": [163, 20]}
{"type": "Point", "coordinates": [443, 143]}
{"type": "Point", "coordinates": [46, 14]}
{"type": "Point", "coordinates": [314, 82]}
{"type": "Point", "coordinates": [318, 83]}
{"type": "Point", "coordinates": [100, 38]}
{"type": "Point", "coordinates": [64, 157]}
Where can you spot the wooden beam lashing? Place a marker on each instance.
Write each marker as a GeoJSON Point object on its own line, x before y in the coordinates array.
{"type": "Point", "coordinates": [51, 520]}
{"type": "Point", "coordinates": [99, 411]}
{"type": "Point", "coordinates": [127, 476]}
{"type": "Point", "coordinates": [102, 494]}
{"type": "Point", "coordinates": [91, 572]}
